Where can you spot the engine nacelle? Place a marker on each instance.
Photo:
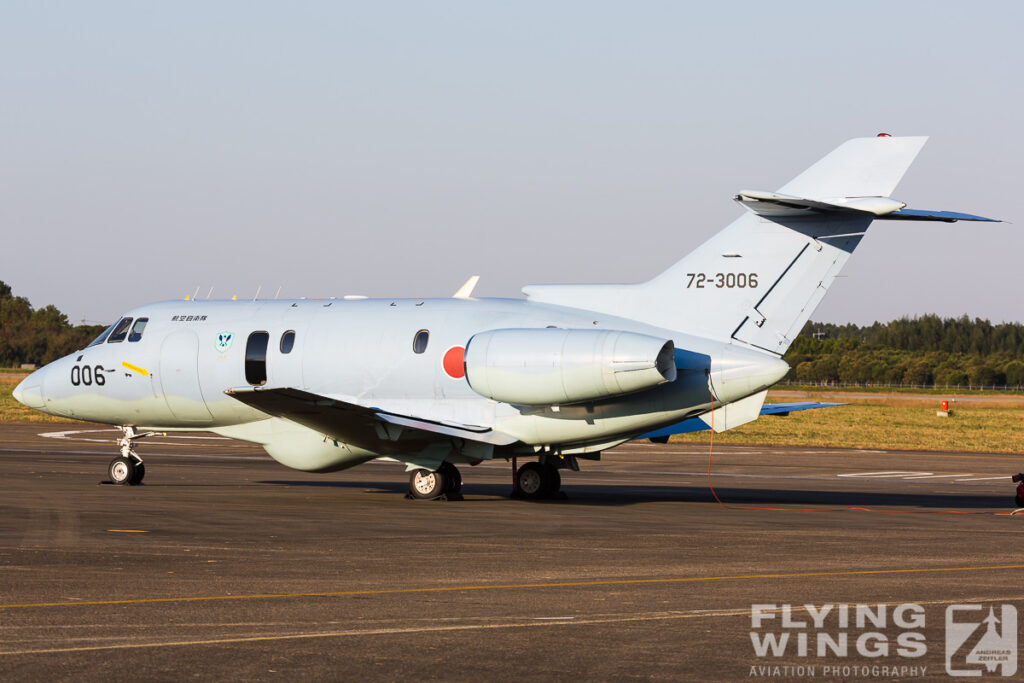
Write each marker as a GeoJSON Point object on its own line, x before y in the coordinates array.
{"type": "Point", "coordinates": [542, 367]}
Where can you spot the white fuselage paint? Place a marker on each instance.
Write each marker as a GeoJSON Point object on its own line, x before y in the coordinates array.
{"type": "Point", "coordinates": [361, 352]}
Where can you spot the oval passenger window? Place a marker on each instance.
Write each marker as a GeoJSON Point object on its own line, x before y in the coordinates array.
{"type": "Point", "coordinates": [419, 342]}
{"type": "Point", "coordinates": [287, 341]}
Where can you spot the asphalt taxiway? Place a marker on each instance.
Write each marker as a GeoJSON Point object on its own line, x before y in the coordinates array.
{"type": "Point", "coordinates": [225, 564]}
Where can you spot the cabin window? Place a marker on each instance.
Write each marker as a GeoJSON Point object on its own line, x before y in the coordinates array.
{"type": "Point", "coordinates": [120, 331]}
{"type": "Point", "coordinates": [256, 358]}
{"type": "Point", "coordinates": [419, 342]}
{"type": "Point", "coordinates": [103, 337]}
{"type": "Point", "coordinates": [288, 341]}
{"type": "Point", "coordinates": [137, 329]}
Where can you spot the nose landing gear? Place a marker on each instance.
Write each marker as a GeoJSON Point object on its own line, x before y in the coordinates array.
{"type": "Point", "coordinates": [128, 469]}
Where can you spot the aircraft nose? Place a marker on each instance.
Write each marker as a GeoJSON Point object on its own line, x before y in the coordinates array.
{"type": "Point", "coordinates": [29, 391]}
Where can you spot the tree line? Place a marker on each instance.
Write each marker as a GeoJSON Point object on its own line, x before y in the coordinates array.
{"type": "Point", "coordinates": [925, 350]}
{"type": "Point", "coordinates": [37, 336]}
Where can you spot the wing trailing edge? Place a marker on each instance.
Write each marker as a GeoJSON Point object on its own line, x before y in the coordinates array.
{"type": "Point", "coordinates": [370, 428]}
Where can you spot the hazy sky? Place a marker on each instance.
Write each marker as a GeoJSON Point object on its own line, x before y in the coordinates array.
{"type": "Point", "coordinates": [386, 148]}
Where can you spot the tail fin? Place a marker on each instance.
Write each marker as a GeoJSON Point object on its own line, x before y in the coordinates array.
{"type": "Point", "coordinates": [759, 280]}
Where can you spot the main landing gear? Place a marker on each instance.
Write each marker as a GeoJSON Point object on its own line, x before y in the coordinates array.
{"type": "Point", "coordinates": [537, 480]}
{"type": "Point", "coordinates": [445, 483]}
{"type": "Point", "coordinates": [128, 469]}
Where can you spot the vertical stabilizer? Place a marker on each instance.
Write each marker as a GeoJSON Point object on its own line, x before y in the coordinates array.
{"type": "Point", "coordinates": [759, 280]}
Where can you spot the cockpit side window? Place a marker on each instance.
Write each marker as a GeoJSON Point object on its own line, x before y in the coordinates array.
{"type": "Point", "coordinates": [120, 331]}
{"type": "Point", "coordinates": [137, 329]}
{"type": "Point", "coordinates": [103, 337]}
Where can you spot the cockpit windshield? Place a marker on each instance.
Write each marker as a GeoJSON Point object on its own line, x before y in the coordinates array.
{"type": "Point", "coordinates": [103, 337]}
{"type": "Point", "coordinates": [120, 331]}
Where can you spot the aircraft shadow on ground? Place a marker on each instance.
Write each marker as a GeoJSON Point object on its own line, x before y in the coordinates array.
{"type": "Point", "coordinates": [631, 495]}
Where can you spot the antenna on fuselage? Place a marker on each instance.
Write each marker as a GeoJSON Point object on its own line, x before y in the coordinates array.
{"type": "Point", "coordinates": [466, 290]}
{"type": "Point", "coordinates": [258, 290]}
{"type": "Point", "coordinates": [210, 292]}
{"type": "Point", "coordinates": [278, 292]}
{"type": "Point", "coordinates": [195, 293]}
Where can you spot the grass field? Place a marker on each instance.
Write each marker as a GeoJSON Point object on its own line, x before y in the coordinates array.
{"type": "Point", "coordinates": [888, 422]}
{"type": "Point", "coordinates": [12, 411]}
{"type": "Point", "coordinates": [885, 424]}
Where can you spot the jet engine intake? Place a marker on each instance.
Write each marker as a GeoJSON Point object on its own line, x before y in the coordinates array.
{"type": "Point", "coordinates": [542, 367]}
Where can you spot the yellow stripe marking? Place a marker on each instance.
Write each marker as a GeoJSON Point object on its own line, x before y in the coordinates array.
{"type": "Point", "coordinates": [534, 622]}
{"type": "Point", "coordinates": [135, 368]}
{"type": "Point", "coordinates": [128, 531]}
{"type": "Point", "coordinates": [512, 586]}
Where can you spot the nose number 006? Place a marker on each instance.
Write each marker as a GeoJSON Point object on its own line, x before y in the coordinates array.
{"type": "Point", "coordinates": [84, 374]}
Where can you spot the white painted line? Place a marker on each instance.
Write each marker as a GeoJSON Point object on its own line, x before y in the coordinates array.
{"type": "Point", "coordinates": [1004, 478]}
{"type": "Point", "coordinates": [937, 476]}
{"type": "Point", "coordinates": [889, 473]}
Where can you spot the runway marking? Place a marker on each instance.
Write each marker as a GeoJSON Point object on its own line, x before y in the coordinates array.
{"type": "Point", "coordinates": [535, 622]}
{"type": "Point", "coordinates": [936, 476]}
{"type": "Point", "coordinates": [887, 473]}
{"type": "Point", "coordinates": [128, 531]}
{"type": "Point", "coordinates": [514, 586]}
{"type": "Point", "coordinates": [918, 476]}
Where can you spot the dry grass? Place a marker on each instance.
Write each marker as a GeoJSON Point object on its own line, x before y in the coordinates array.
{"type": "Point", "coordinates": [886, 424]}
{"type": "Point", "coordinates": [12, 411]}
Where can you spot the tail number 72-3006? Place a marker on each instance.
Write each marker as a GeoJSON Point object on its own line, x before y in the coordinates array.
{"type": "Point", "coordinates": [721, 280]}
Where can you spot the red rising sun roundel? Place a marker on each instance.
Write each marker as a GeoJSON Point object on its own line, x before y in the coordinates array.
{"type": "Point", "coordinates": [452, 362]}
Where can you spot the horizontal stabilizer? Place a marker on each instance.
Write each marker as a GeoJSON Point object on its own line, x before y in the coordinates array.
{"type": "Point", "coordinates": [775, 205]}
{"type": "Point", "coordinates": [696, 424]}
{"type": "Point", "coordinates": [771, 204]}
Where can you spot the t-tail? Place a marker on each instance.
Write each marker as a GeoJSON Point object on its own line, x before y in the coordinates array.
{"type": "Point", "coordinates": [759, 280]}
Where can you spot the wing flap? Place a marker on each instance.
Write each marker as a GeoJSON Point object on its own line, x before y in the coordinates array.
{"type": "Point", "coordinates": [362, 426]}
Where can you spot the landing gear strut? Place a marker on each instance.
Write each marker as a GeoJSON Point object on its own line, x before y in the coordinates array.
{"type": "Point", "coordinates": [445, 482]}
{"type": "Point", "coordinates": [128, 468]}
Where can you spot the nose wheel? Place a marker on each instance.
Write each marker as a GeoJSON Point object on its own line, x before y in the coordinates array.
{"type": "Point", "coordinates": [128, 469]}
{"type": "Point", "coordinates": [126, 472]}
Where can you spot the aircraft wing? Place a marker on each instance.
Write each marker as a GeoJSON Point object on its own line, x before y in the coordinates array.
{"type": "Point", "coordinates": [362, 426]}
{"type": "Point", "coordinates": [695, 424]}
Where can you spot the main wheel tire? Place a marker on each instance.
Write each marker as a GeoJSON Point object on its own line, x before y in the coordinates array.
{"type": "Point", "coordinates": [1019, 500]}
{"type": "Point", "coordinates": [452, 477]}
{"type": "Point", "coordinates": [140, 472]}
{"type": "Point", "coordinates": [552, 479]}
{"type": "Point", "coordinates": [531, 481]}
{"type": "Point", "coordinates": [426, 485]}
{"type": "Point", "coordinates": [121, 471]}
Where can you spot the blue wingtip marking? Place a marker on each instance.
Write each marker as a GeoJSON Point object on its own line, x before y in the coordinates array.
{"type": "Point", "coordinates": [695, 424]}
{"type": "Point", "coordinates": [950, 216]}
